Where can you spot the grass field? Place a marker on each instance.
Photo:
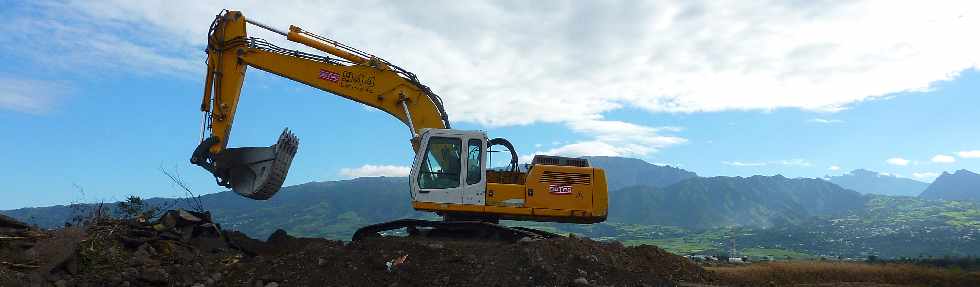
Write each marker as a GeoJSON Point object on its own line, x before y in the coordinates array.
{"type": "Point", "coordinates": [778, 254]}
{"type": "Point", "coordinates": [674, 245]}
{"type": "Point", "coordinates": [820, 272]}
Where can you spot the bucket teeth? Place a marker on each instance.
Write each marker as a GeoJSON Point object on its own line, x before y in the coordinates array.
{"type": "Point", "coordinates": [287, 143]}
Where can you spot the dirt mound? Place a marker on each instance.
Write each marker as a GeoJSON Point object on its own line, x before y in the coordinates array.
{"type": "Point", "coordinates": [428, 262]}
{"type": "Point", "coordinates": [190, 253]}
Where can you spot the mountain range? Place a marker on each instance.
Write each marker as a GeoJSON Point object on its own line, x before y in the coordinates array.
{"type": "Point", "coordinates": [640, 194]}
{"type": "Point", "coordinates": [708, 202]}
{"type": "Point", "coordinates": [624, 172]}
{"type": "Point", "coordinates": [961, 185]}
{"type": "Point", "coordinates": [870, 182]}
{"type": "Point", "coordinates": [331, 209]}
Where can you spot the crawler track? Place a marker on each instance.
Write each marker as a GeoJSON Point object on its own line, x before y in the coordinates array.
{"type": "Point", "coordinates": [454, 229]}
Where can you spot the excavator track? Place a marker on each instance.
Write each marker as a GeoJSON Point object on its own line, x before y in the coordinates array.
{"type": "Point", "coordinates": [453, 229]}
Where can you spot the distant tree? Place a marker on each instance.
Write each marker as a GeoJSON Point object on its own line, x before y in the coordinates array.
{"type": "Point", "coordinates": [136, 208]}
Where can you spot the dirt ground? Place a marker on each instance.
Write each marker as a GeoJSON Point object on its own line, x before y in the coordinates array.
{"type": "Point", "coordinates": [115, 253]}
{"type": "Point", "coordinates": [200, 254]}
{"type": "Point", "coordinates": [830, 273]}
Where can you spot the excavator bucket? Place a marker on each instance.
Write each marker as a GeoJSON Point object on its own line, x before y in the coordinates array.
{"type": "Point", "coordinates": [253, 172]}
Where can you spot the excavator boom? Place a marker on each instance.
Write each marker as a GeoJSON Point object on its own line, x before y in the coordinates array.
{"type": "Point", "coordinates": [258, 172]}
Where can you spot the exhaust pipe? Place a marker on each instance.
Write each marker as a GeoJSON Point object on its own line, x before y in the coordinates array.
{"type": "Point", "coordinates": [252, 172]}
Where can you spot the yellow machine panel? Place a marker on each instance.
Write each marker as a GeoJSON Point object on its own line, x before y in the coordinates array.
{"type": "Point", "coordinates": [508, 195]}
{"type": "Point", "coordinates": [560, 187]}
{"type": "Point", "coordinates": [549, 193]}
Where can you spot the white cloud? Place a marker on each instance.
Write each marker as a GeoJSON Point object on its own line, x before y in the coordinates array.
{"type": "Point", "coordinates": [613, 138]}
{"type": "Point", "coordinates": [942, 158]}
{"type": "Point", "coordinates": [794, 162]}
{"type": "Point", "coordinates": [29, 96]}
{"type": "Point", "coordinates": [498, 63]}
{"type": "Point", "coordinates": [833, 168]}
{"type": "Point", "coordinates": [375, 170]}
{"type": "Point", "coordinates": [927, 176]}
{"type": "Point", "coordinates": [825, 121]}
{"type": "Point", "coordinates": [59, 38]}
{"type": "Point", "coordinates": [969, 154]}
{"type": "Point", "coordinates": [739, 163]}
{"type": "Point", "coordinates": [627, 133]}
{"type": "Point", "coordinates": [584, 148]}
{"type": "Point", "coordinates": [799, 162]}
{"type": "Point", "coordinates": [898, 161]}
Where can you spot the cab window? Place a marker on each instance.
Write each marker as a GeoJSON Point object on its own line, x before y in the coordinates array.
{"type": "Point", "coordinates": [441, 166]}
{"type": "Point", "coordinates": [474, 151]}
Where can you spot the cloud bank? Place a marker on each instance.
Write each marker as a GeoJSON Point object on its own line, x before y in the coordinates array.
{"type": "Point", "coordinates": [942, 158]}
{"type": "Point", "coordinates": [969, 154]}
{"type": "Point", "coordinates": [29, 96]}
{"type": "Point", "coordinates": [369, 170]}
{"type": "Point", "coordinates": [514, 63]}
{"type": "Point", "coordinates": [898, 161]}
{"type": "Point", "coordinates": [798, 162]}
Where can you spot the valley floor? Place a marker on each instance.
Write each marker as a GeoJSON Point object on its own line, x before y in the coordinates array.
{"type": "Point", "coordinates": [821, 273]}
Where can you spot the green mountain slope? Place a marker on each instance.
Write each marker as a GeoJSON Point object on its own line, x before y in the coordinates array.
{"type": "Point", "coordinates": [961, 185]}
{"type": "Point", "coordinates": [624, 172]}
{"type": "Point", "coordinates": [322, 209]}
{"type": "Point", "coordinates": [887, 226]}
{"type": "Point", "coordinates": [758, 201]}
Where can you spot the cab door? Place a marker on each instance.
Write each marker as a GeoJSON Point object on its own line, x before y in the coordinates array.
{"type": "Point", "coordinates": [475, 182]}
{"type": "Point", "coordinates": [437, 173]}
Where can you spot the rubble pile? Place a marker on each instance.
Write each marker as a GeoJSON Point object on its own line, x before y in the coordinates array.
{"type": "Point", "coordinates": [429, 262]}
{"type": "Point", "coordinates": [17, 241]}
{"type": "Point", "coordinates": [184, 248]}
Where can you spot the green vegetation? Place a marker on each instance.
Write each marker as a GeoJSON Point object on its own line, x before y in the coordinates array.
{"type": "Point", "coordinates": [136, 208]}
{"type": "Point", "coordinates": [681, 245]}
{"type": "Point", "coordinates": [777, 254]}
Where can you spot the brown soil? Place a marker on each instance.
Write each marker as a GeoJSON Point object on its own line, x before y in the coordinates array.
{"type": "Point", "coordinates": [553, 262]}
{"type": "Point", "coordinates": [115, 253]}
{"type": "Point", "coordinates": [819, 273]}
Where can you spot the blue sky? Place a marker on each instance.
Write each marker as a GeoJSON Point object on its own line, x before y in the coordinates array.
{"type": "Point", "coordinates": [100, 96]}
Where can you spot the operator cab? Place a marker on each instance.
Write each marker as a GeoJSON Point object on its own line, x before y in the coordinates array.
{"type": "Point", "coordinates": [450, 167]}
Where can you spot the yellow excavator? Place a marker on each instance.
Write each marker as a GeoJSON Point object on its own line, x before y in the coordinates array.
{"type": "Point", "coordinates": [449, 175]}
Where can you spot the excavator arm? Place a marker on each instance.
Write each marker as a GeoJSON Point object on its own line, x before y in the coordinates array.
{"type": "Point", "coordinates": [258, 172]}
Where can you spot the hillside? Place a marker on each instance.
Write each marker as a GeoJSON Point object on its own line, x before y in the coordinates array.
{"type": "Point", "coordinates": [882, 225]}
{"type": "Point", "coordinates": [961, 185]}
{"type": "Point", "coordinates": [871, 182]}
{"type": "Point", "coordinates": [625, 172]}
{"type": "Point", "coordinates": [887, 227]}
{"type": "Point", "coordinates": [758, 201]}
{"type": "Point", "coordinates": [319, 209]}
{"type": "Point", "coordinates": [336, 209]}
{"type": "Point", "coordinates": [777, 215]}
